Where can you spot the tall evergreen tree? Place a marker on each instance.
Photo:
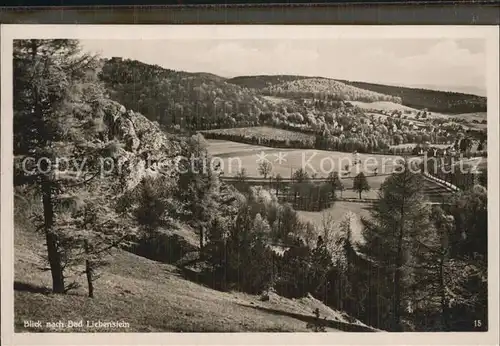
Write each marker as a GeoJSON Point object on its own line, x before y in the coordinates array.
{"type": "Point", "coordinates": [398, 217]}
{"type": "Point", "coordinates": [58, 133]}
{"type": "Point", "coordinates": [360, 184]}
{"type": "Point", "coordinates": [321, 264]}
{"type": "Point", "coordinates": [198, 187]}
{"type": "Point", "coordinates": [335, 182]}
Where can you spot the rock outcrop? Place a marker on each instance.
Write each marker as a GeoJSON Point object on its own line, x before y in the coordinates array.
{"type": "Point", "coordinates": [141, 148]}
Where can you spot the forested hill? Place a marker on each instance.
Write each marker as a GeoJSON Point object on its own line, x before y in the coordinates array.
{"type": "Point", "coordinates": [326, 88]}
{"type": "Point", "coordinates": [433, 100]}
{"type": "Point", "coordinates": [309, 87]}
{"type": "Point", "coordinates": [205, 101]}
{"type": "Point", "coordinates": [263, 81]}
{"type": "Point", "coordinates": [174, 97]}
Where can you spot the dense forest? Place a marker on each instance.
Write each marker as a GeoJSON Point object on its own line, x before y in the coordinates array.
{"type": "Point", "coordinates": [188, 100]}
{"type": "Point", "coordinates": [264, 81]}
{"type": "Point", "coordinates": [323, 88]}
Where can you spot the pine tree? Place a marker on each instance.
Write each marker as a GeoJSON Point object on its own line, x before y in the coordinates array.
{"type": "Point", "coordinates": [449, 282]}
{"type": "Point", "coordinates": [398, 217]}
{"type": "Point", "coordinates": [153, 206]}
{"type": "Point", "coordinates": [58, 118]}
{"type": "Point", "coordinates": [321, 263]}
{"type": "Point", "coordinates": [217, 235]}
{"type": "Point", "coordinates": [360, 184]}
{"type": "Point", "coordinates": [344, 256]}
{"type": "Point", "coordinates": [249, 261]}
{"type": "Point", "coordinates": [95, 229]}
{"type": "Point", "coordinates": [279, 181]}
{"type": "Point", "coordinates": [469, 250]}
{"type": "Point", "coordinates": [335, 182]}
{"type": "Point", "coordinates": [431, 270]}
{"type": "Point", "coordinates": [198, 187]}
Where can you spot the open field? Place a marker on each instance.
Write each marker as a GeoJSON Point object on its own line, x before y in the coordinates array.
{"type": "Point", "coordinates": [264, 132]}
{"type": "Point", "coordinates": [153, 297]}
{"type": "Point", "coordinates": [276, 100]}
{"type": "Point", "coordinates": [384, 106]}
{"type": "Point", "coordinates": [473, 116]}
{"type": "Point", "coordinates": [413, 145]}
{"type": "Point", "coordinates": [235, 156]}
{"type": "Point", "coordinates": [391, 106]}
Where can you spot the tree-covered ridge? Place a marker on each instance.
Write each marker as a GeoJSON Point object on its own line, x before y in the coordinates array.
{"type": "Point", "coordinates": [326, 88]}
{"type": "Point", "coordinates": [432, 100]}
{"type": "Point", "coordinates": [263, 81]}
{"type": "Point", "coordinates": [189, 100]}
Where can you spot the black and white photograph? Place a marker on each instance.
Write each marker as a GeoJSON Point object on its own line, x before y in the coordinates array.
{"type": "Point", "coordinates": [252, 184]}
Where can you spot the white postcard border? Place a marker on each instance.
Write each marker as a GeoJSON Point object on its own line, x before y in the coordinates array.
{"type": "Point", "coordinates": [205, 32]}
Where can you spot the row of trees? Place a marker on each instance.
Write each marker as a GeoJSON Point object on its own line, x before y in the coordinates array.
{"type": "Point", "coordinates": [303, 192]}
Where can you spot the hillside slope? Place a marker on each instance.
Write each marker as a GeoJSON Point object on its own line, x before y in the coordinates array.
{"type": "Point", "coordinates": [263, 81]}
{"type": "Point", "coordinates": [326, 87]}
{"type": "Point", "coordinates": [419, 98]}
{"type": "Point", "coordinates": [196, 100]}
{"type": "Point", "coordinates": [147, 294]}
{"type": "Point", "coordinates": [154, 297]}
{"type": "Point", "coordinates": [434, 101]}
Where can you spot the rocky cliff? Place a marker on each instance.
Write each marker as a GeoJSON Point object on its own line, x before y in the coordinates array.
{"type": "Point", "coordinates": [140, 147]}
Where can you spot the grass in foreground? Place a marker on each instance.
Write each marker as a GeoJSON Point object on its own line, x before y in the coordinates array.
{"type": "Point", "coordinates": [152, 297]}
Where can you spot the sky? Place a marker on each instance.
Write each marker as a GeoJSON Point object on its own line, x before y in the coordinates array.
{"type": "Point", "coordinates": [455, 65]}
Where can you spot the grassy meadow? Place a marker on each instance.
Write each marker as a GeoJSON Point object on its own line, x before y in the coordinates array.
{"type": "Point", "coordinates": [265, 133]}
{"type": "Point", "coordinates": [235, 156]}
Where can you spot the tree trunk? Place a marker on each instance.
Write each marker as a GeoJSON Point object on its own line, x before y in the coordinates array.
{"type": "Point", "coordinates": [442, 292]}
{"type": "Point", "coordinates": [359, 194]}
{"type": "Point", "coordinates": [397, 327]}
{"type": "Point", "coordinates": [89, 271]}
{"type": "Point", "coordinates": [397, 289]}
{"type": "Point", "coordinates": [54, 256]}
{"type": "Point", "coordinates": [202, 234]}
